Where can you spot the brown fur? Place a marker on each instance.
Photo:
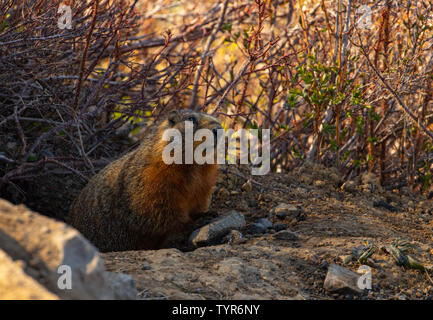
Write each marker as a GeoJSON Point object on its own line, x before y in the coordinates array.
{"type": "Point", "coordinates": [137, 201]}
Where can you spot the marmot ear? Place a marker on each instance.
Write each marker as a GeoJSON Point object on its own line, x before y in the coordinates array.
{"type": "Point", "coordinates": [173, 117]}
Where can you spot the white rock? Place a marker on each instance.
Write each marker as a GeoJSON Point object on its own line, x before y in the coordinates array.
{"type": "Point", "coordinates": [342, 280]}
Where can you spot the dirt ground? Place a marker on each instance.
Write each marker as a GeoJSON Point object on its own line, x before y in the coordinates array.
{"type": "Point", "coordinates": [333, 222]}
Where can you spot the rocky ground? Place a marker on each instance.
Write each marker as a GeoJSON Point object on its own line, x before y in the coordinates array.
{"type": "Point", "coordinates": [316, 221]}
{"type": "Point", "coordinates": [278, 236]}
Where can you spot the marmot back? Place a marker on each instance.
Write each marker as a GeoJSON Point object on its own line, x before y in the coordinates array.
{"type": "Point", "coordinates": [137, 201]}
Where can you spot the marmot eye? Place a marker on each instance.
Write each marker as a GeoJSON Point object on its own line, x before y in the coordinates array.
{"type": "Point", "coordinates": [192, 119]}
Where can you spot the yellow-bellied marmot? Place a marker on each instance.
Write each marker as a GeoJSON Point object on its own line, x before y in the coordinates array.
{"type": "Point", "coordinates": [137, 201]}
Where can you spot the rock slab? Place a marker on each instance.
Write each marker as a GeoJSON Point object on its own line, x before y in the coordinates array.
{"type": "Point", "coordinates": [218, 228]}
{"type": "Point", "coordinates": [51, 253]}
{"type": "Point", "coordinates": [15, 284]}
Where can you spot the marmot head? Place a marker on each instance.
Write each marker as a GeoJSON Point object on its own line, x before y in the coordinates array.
{"type": "Point", "coordinates": [191, 127]}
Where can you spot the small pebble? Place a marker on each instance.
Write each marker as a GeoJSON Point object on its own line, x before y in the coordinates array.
{"type": "Point", "coordinates": [265, 222]}
{"type": "Point", "coordinates": [286, 235]}
{"type": "Point", "coordinates": [247, 186]}
{"type": "Point", "coordinates": [233, 237]}
{"type": "Point", "coordinates": [257, 228]}
{"type": "Point", "coordinates": [146, 266]}
{"type": "Point", "coordinates": [283, 210]}
{"type": "Point", "coordinates": [346, 258]}
{"type": "Point", "coordinates": [319, 183]}
{"type": "Point", "coordinates": [279, 226]}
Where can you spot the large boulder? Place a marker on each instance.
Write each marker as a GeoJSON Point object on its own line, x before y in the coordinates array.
{"type": "Point", "coordinates": [49, 252]}
{"type": "Point", "coordinates": [16, 284]}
